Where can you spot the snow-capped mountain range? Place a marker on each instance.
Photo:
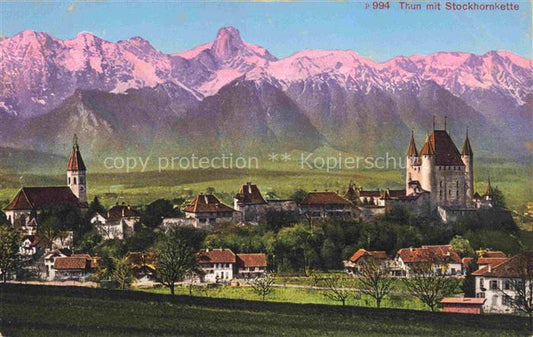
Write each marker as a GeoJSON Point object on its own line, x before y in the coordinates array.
{"type": "Point", "coordinates": [39, 72]}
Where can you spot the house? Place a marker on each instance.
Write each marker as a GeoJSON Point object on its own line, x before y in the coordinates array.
{"type": "Point", "coordinates": [322, 205]}
{"type": "Point", "coordinates": [207, 210]}
{"type": "Point", "coordinates": [443, 259]}
{"type": "Point", "coordinates": [463, 305]}
{"type": "Point", "coordinates": [49, 260]}
{"type": "Point", "coordinates": [117, 223]}
{"type": "Point", "coordinates": [250, 266]}
{"type": "Point", "coordinates": [250, 203]}
{"type": "Point", "coordinates": [498, 283]}
{"type": "Point", "coordinates": [353, 264]}
{"type": "Point", "coordinates": [217, 265]}
{"type": "Point", "coordinates": [143, 266]}
{"type": "Point", "coordinates": [31, 200]}
{"type": "Point", "coordinates": [74, 268]}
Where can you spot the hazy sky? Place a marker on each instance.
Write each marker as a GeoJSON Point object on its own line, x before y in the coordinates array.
{"type": "Point", "coordinates": [282, 28]}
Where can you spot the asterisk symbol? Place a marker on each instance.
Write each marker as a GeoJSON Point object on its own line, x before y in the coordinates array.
{"type": "Point", "coordinates": [273, 157]}
{"type": "Point", "coordinates": [285, 157]}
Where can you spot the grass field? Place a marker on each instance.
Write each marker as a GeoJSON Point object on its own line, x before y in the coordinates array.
{"type": "Point", "coordinates": [280, 178]}
{"type": "Point", "coordinates": [297, 295]}
{"type": "Point", "coordinates": [66, 311]}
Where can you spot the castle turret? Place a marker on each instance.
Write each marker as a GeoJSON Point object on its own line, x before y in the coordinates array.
{"type": "Point", "coordinates": [76, 173]}
{"type": "Point", "coordinates": [411, 162]}
{"type": "Point", "coordinates": [427, 169]}
{"type": "Point", "coordinates": [467, 155]}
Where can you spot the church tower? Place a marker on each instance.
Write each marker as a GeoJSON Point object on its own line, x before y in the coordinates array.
{"type": "Point", "coordinates": [467, 155]}
{"type": "Point", "coordinates": [76, 173]}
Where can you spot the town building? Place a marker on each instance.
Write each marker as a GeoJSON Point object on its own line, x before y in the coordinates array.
{"type": "Point", "coordinates": [501, 284]}
{"type": "Point", "coordinates": [354, 263]}
{"type": "Point", "coordinates": [117, 223]}
{"type": "Point", "coordinates": [250, 266]}
{"type": "Point", "coordinates": [74, 268]}
{"type": "Point", "coordinates": [328, 205]}
{"type": "Point", "coordinates": [207, 211]}
{"type": "Point", "coordinates": [31, 200]}
{"type": "Point", "coordinates": [443, 259]}
{"type": "Point", "coordinates": [217, 265]}
{"type": "Point", "coordinates": [463, 305]}
{"type": "Point", "coordinates": [254, 208]}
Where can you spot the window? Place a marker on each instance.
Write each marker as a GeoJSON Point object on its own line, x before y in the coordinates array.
{"type": "Point", "coordinates": [481, 283]}
{"type": "Point", "coordinates": [480, 295]}
{"type": "Point", "coordinates": [74, 180]}
{"type": "Point", "coordinates": [441, 183]}
{"type": "Point", "coordinates": [494, 285]}
{"type": "Point", "coordinates": [507, 285]}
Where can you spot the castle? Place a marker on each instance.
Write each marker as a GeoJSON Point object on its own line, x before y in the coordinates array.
{"type": "Point", "coordinates": [33, 199]}
{"type": "Point", "coordinates": [441, 170]}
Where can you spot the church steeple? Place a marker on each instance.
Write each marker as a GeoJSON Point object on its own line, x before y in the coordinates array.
{"type": "Point", "coordinates": [467, 149]}
{"type": "Point", "coordinates": [412, 151]}
{"type": "Point", "coordinates": [76, 172]}
{"type": "Point", "coordinates": [488, 192]}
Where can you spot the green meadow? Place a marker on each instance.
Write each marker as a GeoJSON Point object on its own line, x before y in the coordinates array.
{"type": "Point", "coordinates": [69, 311]}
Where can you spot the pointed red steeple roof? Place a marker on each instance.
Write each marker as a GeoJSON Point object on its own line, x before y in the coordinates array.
{"type": "Point", "coordinates": [75, 162]}
{"type": "Point", "coordinates": [467, 149]}
{"type": "Point", "coordinates": [427, 149]}
{"type": "Point", "coordinates": [488, 192]}
{"type": "Point", "coordinates": [412, 151]}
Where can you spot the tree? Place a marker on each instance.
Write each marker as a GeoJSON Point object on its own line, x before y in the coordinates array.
{"type": "Point", "coordinates": [3, 219]}
{"type": "Point", "coordinates": [95, 207]}
{"type": "Point", "coordinates": [122, 272]}
{"type": "Point", "coordinates": [9, 247]}
{"type": "Point", "coordinates": [299, 195]}
{"type": "Point", "coordinates": [374, 279]}
{"type": "Point", "coordinates": [428, 285]}
{"type": "Point", "coordinates": [263, 286]}
{"type": "Point", "coordinates": [462, 246]}
{"type": "Point", "coordinates": [518, 290]}
{"type": "Point", "coordinates": [469, 283]}
{"type": "Point", "coordinates": [498, 199]}
{"type": "Point", "coordinates": [156, 211]}
{"type": "Point", "coordinates": [176, 255]}
{"type": "Point", "coordinates": [334, 288]}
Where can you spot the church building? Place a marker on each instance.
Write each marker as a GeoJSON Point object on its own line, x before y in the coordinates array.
{"type": "Point", "coordinates": [34, 199]}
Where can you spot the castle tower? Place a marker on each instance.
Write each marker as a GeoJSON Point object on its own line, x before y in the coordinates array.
{"type": "Point", "coordinates": [76, 173]}
{"type": "Point", "coordinates": [412, 158]}
{"type": "Point", "coordinates": [467, 155]}
{"type": "Point", "coordinates": [427, 169]}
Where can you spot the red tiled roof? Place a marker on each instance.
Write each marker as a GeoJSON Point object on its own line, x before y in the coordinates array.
{"type": "Point", "coordinates": [429, 254]}
{"type": "Point", "coordinates": [495, 253]}
{"type": "Point", "coordinates": [118, 212]}
{"type": "Point", "coordinates": [141, 258]}
{"type": "Point", "coordinates": [251, 260]}
{"type": "Point", "coordinates": [249, 194]}
{"type": "Point", "coordinates": [466, 261]}
{"type": "Point", "coordinates": [207, 203]}
{"type": "Point", "coordinates": [463, 300]}
{"type": "Point", "coordinates": [29, 198]}
{"type": "Point", "coordinates": [363, 252]}
{"type": "Point", "coordinates": [441, 145]}
{"type": "Point", "coordinates": [493, 261]}
{"type": "Point", "coordinates": [514, 267]}
{"type": "Point", "coordinates": [75, 161]}
{"type": "Point", "coordinates": [79, 262]}
{"type": "Point", "coordinates": [375, 193]}
{"type": "Point", "coordinates": [324, 198]}
{"type": "Point", "coordinates": [216, 256]}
